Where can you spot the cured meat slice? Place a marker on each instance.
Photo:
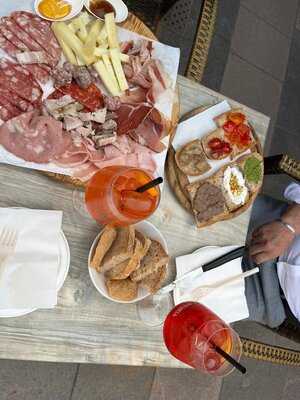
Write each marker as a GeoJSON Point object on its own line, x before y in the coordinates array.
{"type": "Point", "coordinates": [14, 78]}
{"type": "Point", "coordinates": [129, 116]}
{"type": "Point", "coordinates": [135, 96]}
{"type": "Point", "coordinates": [41, 32]}
{"type": "Point", "coordinates": [85, 171]}
{"type": "Point", "coordinates": [32, 137]}
{"type": "Point", "coordinates": [4, 114]}
{"type": "Point", "coordinates": [72, 157]}
{"type": "Point", "coordinates": [11, 37]}
{"type": "Point", "coordinates": [91, 98]}
{"type": "Point", "coordinates": [32, 57]}
{"type": "Point", "coordinates": [150, 131]}
{"type": "Point", "coordinates": [7, 46]}
{"type": "Point", "coordinates": [12, 110]}
{"type": "Point", "coordinates": [20, 34]}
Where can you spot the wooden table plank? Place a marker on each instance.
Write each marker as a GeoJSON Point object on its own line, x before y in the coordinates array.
{"type": "Point", "coordinates": [85, 327]}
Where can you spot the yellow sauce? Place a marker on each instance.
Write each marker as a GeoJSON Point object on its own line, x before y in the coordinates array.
{"type": "Point", "coordinates": [54, 9]}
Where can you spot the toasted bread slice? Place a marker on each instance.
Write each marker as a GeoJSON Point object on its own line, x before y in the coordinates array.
{"type": "Point", "coordinates": [191, 159]}
{"type": "Point", "coordinates": [125, 290]}
{"type": "Point", "coordinates": [153, 260]}
{"type": "Point", "coordinates": [252, 166]}
{"type": "Point", "coordinates": [120, 250]}
{"type": "Point", "coordinates": [222, 118]}
{"type": "Point", "coordinates": [154, 281]}
{"type": "Point", "coordinates": [208, 200]}
{"type": "Point", "coordinates": [217, 134]}
{"type": "Point", "coordinates": [123, 270]}
{"type": "Point", "coordinates": [107, 237]}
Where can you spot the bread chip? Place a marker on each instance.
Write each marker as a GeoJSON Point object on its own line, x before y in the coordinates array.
{"type": "Point", "coordinates": [154, 281]}
{"type": "Point", "coordinates": [121, 249]}
{"type": "Point", "coordinates": [191, 159]}
{"type": "Point", "coordinates": [107, 237]}
{"type": "Point", "coordinates": [124, 269]}
{"type": "Point", "coordinates": [124, 290]}
{"type": "Point", "coordinates": [222, 118]}
{"type": "Point", "coordinates": [153, 260]}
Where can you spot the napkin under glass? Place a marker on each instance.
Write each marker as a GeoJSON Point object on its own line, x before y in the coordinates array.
{"type": "Point", "coordinates": [29, 277]}
{"type": "Point", "coordinates": [228, 302]}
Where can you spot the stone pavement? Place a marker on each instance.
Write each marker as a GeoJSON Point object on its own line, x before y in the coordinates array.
{"type": "Point", "coordinates": [254, 58]}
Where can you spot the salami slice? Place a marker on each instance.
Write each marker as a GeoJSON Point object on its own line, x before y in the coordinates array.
{"type": "Point", "coordinates": [15, 99]}
{"type": "Point", "coordinates": [11, 37]}
{"type": "Point", "coordinates": [22, 35]}
{"type": "Point", "coordinates": [13, 78]}
{"type": "Point", "coordinates": [4, 114]}
{"type": "Point", "coordinates": [13, 111]}
{"type": "Point", "coordinates": [91, 98]}
{"type": "Point", "coordinates": [7, 46]}
{"type": "Point", "coordinates": [40, 32]}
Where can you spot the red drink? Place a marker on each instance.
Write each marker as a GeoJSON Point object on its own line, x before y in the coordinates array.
{"type": "Point", "coordinates": [191, 331]}
{"type": "Point", "coordinates": [111, 197]}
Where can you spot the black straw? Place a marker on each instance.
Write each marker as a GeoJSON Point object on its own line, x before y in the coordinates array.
{"type": "Point", "coordinates": [231, 360]}
{"type": "Point", "coordinates": [149, 185]}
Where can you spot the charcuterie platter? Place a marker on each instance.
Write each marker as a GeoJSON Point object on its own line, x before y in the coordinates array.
{"type": "Point", "coordinates": [83, 94]}
{"type": "Point", "coordinates": [215, 169]}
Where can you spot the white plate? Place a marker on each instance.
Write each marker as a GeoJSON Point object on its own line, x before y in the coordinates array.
{"type": "Point", "coordinates": [77, 6]}
{"type": "Point", "coordinates": [98, 279]}
{"type": "Point", "coordinates": [119, 6]}
{"type": "Point", "coordinates": [64, 265]}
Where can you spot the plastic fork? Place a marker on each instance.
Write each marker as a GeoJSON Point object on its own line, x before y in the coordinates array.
{"type": "Point", "coordinates": [204, 290]}
{"type": "Point", "coordinates": [8, 241]}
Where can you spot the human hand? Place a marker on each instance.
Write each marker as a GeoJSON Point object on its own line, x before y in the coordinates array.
{"type": "Point", "coordinates": [270, 241]}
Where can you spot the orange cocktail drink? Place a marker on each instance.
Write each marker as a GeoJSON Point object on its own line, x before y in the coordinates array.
{"type": "Point", "coordinates": [111, 196]}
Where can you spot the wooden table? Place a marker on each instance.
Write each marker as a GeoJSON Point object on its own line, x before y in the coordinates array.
{"type": "Point", "coordinates": [85, 327]}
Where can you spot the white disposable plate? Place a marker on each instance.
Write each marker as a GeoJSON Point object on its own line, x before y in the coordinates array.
{"type": "Point", "coordinates": [64, 265]}
{"type": "Point", "coordinates": [119, 6]}
{"type": "Point", "coordinates": [98, 279]}
{"type": "Point", "coordinates": [77, 6]}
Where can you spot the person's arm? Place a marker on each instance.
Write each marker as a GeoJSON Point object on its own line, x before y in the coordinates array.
{"type": "Point", "coordinates": [271, 240]}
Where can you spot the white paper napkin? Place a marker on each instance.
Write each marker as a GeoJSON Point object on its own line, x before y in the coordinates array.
{"type": "Point", "coordinates": [228, 302]}
{"type": "Point", "coordinates": [29, 278]}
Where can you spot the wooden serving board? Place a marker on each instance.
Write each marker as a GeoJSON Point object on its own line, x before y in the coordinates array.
{"type": "Point", "coordinates": [178, 180]}
{"type": "Point", "coordinates": [134, 24]}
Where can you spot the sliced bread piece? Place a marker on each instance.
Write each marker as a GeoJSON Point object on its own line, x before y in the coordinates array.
{"type": "Point", "coordinates": [208, 200]}
{"type": "Point", "coordinates": [153, 260]}
{"type": "Point", "coordinates": [191, 159]}
{"type": "Point", "coordinates": [106, 239]}
{"type": "Point", "coordinates": [121, 249]}
{"type": "Point", "coordinates": [252, 166]}
{"type": "Point", "coordinates": [124, 290]}
{"type": "Point", "coordinates": [154, 281]}
{"type": "Point", "coordinates": [125, 268]}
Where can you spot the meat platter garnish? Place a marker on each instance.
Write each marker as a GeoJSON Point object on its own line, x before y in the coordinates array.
{"type": "Point", "coordinates": [73, 96]}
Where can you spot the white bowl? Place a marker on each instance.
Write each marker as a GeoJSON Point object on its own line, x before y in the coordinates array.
{"type": "Point", "coordinates": [121, 10]}
{"type": "Point", "coordinates": [98, 279]}
{"type": "Point", "coordinates": [77, 6]}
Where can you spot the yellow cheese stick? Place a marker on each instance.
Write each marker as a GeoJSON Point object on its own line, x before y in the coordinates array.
{"type": "Point", "coordinates": [64, 33]}
{"type": "Point", "coordinates": [110, 70]}
{"type": "Point", "coordinates": [111, 30]}
{"type": "Point", "coordinates": [116, 61]}
{"type": "Point", "coordinates": [70, 56]}
{"type": "Point", "coordinates": [105, 77]}
{"type": "Point", "coordinates": [99, 51]}
{"type": "Point", "coordinates": [90, 44]}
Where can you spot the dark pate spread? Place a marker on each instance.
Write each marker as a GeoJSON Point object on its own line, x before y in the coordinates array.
{"type": "Point", "coordinates": [208, 202]}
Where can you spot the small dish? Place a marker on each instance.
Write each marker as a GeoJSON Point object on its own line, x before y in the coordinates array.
{"type": "Point", "coordinates": [76, 7]}
{"type": "Point", "coordinates": [98, 279]}
{"type": "Point", "coordinates": [121, 10]}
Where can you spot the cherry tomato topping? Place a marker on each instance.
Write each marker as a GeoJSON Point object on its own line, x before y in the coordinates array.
{"type": "Point", "coordinates": [243, 129]}
{"type": "Point", "coordinates": [236, 117]}
{"type": "Point", "coordinates": [215, 143]}
{"type": "Point", "coordinates": [229, 126]}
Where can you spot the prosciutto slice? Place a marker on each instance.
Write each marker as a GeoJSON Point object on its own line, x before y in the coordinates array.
{"type": "Point", "coordinates": [129, 116]}
{"type": "Point", "coordinates": [32, 137]}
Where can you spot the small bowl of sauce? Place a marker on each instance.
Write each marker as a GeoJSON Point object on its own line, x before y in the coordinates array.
{"type": "Point", "coordinates": [101, 7]}
{"type": "Point", "coordinates": [58, 10]}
